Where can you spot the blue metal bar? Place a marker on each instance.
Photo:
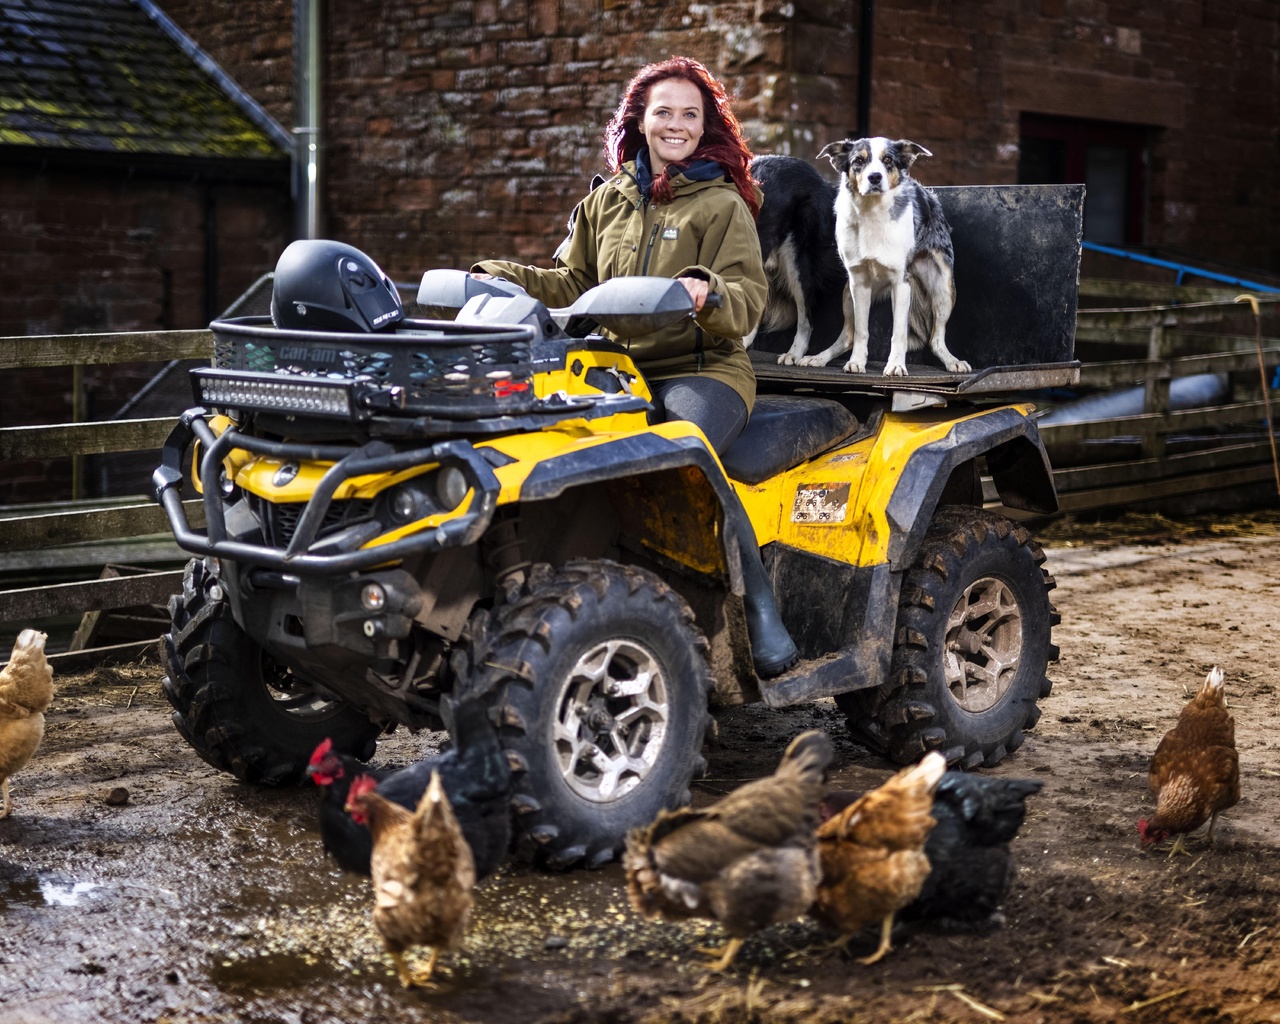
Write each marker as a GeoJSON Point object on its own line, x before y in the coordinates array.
{"type": "Point", "coordinates": [1181, 268]}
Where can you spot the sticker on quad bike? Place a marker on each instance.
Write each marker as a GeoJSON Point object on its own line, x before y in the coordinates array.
{"type": "Point", "coordinates": [820, 503]}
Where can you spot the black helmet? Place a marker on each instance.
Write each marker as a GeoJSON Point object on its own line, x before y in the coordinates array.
{"type": "Point", "coordinates": [322, 285]}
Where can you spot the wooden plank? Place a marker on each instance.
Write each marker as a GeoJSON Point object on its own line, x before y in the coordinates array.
{"type": "Point", "coordinates": [1130, 370]}
{"type": "Point", "coordinates": [1221, 480]}
{"type": "Point", "coordinates": [1083, 478]}
{"type": "Point", "coordinates": [93, 525]}
{"type": "Point", "coordinates": [84, 438]}
{"type": "Point", "coordinates": [89, 596]}
{"type": "Point", "coordinates": [1149, 424]}
{"type": "Point", "coordinates": [35, 565]}
{"type": "Point", "coordinates": [22, 352]}
{"type": "Point", "coordinates": [93, 657]}
{"type": "Point", "coordinates": [1152, 292]}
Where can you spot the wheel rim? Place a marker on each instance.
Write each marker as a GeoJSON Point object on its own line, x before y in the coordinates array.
{"type": "Point", "coordinates": [612, 715]}
{"type": "Point", "coordinates": [984, 645]}
{"type": "Point", "coordinates": [293, 696]}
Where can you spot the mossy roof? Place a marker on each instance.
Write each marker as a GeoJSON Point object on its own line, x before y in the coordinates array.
{"type": "Point", "coordinates": [114, 76]}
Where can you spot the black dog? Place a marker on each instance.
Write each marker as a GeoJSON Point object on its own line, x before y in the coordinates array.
{"type": "Point", "coordinates": [797, 228]}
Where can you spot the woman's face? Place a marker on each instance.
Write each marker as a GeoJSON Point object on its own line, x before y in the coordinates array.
{"type": "Point", "coordinates": [672, 122]}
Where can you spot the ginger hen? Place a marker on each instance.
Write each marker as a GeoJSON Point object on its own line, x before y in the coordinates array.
{"type": "Point", "coordinates": [422, 873]}
{"type": "Point", "coordinates": [747, 861]}
{"type": "Point", "coordinates": [1195, 773]}
{"type": "Point", "coordinates": [872, 854]}
{"type": "Point", "coordinates": [26, 689]}
{"type": "Point", "coordinates": [971, 865]}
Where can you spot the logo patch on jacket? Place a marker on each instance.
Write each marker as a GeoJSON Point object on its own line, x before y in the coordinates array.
{"type": "Point", "coordinates": [670, 234]}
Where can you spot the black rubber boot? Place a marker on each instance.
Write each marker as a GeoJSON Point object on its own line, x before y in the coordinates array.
{"type": "Point", "coordinates": [772, 649]}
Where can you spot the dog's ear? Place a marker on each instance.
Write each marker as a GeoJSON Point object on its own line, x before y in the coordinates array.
{"type": "Point", "coordinates": [838, 154]}
{"type": "Point", "coordinates": [910, 150]}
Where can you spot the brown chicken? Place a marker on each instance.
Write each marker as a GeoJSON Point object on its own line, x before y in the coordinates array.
{"type": "Point", "coordinates": [422, 870]}
{"type": "Point", "coordinates": [1195, 773]}
{"type": "Point", "coordinates": [872, 854]}
{"type": "Point", "coordinates": [26, 688]}
{"type": "Point", "coordinates": [747, 861]}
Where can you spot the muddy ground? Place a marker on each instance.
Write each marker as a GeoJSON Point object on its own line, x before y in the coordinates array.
{"type": "Point", "coordinates": [202, 900]}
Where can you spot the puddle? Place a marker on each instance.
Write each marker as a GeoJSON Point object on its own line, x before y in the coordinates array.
{"type": "Point", "coordinates": [32, 890]}
{"type": "Point", "coordinates": [57, 894]}
{"type": "Point", "coordinates": [265, 974]}
{"type": "Point", "coordinates": [20, 891]}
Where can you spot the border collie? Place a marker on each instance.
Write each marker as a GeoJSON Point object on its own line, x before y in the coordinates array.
{"type": "Point", "coordinates": [895, 241]}
{"type": "Point", "coordinates": [797, 228]}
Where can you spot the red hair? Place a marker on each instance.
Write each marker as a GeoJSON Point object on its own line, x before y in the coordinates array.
{"type": "Point", "coordinates": [721, 140]}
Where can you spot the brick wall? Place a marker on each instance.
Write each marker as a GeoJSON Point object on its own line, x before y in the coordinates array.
{"type": "Point", "coordinates": [97, 250]}
{"type": "Point", "coordinates": [460, 130]}
{"type": "Point", "coordinates": [117, 250]}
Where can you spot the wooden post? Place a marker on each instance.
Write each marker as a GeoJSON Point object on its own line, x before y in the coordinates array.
{"type": "Point", "coordinates": [1156, 392]}
{"type": "Point", "coordinates": [77, 416]}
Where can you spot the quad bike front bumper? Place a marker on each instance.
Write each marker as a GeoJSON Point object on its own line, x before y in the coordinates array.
{"type": "Point", "coordinates": [307, 553]}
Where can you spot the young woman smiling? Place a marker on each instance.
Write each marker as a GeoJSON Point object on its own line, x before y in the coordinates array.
{"type": "Point", "coordinates": [679, 202]}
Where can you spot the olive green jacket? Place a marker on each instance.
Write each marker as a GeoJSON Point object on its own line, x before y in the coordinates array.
{"type": "Point", "coordinates": [705, 232]}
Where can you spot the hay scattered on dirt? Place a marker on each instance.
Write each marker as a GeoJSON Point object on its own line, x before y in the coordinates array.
{"type": "Point", "coordinates": [1154, 528]}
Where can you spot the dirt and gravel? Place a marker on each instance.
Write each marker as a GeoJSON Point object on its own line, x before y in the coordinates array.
{"type": "Point", "coordinates": [139, 885]}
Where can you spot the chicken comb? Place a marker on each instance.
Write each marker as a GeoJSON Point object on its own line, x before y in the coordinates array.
{"type": "Point", "coordinates": [321, 751]}
{"type": "Point", "coordinates": [361, 785]}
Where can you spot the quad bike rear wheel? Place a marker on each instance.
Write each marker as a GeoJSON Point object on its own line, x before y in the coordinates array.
{"type": "Point", "coordinates": [971, 646]}
{"type": "Point", "coordinates": [241, 711]}
{"type": "Point", "coordinates": [601, 683]}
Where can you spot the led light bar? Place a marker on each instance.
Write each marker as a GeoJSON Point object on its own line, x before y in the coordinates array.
{"type": "Point", "coordinates": [302, 396]}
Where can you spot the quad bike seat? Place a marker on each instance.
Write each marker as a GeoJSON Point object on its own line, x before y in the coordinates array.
{"type": "Point", "coordinates": [783, 431]}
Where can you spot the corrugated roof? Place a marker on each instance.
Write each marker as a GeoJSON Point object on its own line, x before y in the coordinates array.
{"type": "Point", "coordinates": [115, 76]}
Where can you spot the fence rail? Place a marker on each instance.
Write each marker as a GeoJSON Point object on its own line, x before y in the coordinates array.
{"type": "Point", "coordinates": [1171, 451]}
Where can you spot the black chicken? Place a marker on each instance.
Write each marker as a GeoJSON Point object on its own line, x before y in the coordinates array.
{"type": "Point", "coordinates": [476, 778]}
{"type": "Point", "coordinates": [970, 864]}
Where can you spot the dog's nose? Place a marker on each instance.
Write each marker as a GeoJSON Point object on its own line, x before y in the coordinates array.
{"type": "Point", "coordinates": [874, 178]}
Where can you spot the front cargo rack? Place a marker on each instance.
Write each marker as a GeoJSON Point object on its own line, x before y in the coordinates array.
{"type": "Point", "coordinates": [424, 367]}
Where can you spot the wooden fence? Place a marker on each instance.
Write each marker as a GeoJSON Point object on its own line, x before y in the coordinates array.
{"type": "Point", "coordinates": [1211, 448]}
{"type": "Point", "coordinates": [42, 538]}
{"type": "Point", "coordinates": [1160, 335]}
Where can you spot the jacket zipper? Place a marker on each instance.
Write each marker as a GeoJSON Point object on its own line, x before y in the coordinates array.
{"type": "Point", "coordinates": [653, 237]}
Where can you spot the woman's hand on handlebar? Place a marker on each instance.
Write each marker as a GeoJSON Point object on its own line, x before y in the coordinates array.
{"type": "Point", "coordinates": [697, 289]}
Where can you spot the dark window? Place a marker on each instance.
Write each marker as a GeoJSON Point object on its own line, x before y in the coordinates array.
{"type": "Point", "coordinates": [1109, 158]}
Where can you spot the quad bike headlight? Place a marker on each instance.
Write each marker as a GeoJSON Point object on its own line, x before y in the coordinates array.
{"type": "Point", "coordinates": [406, 503]}
{"type": "Point", "coordinates": [451, 487]}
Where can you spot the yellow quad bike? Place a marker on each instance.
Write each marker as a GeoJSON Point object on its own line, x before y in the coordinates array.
{"type": "Point", "coordinates": [479, 506]}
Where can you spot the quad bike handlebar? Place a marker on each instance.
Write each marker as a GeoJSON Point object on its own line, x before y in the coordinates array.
{"type": "Point", "coordinates": [626, 306]}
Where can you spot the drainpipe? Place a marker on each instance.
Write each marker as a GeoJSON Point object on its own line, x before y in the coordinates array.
{"type": "Point", "coordinates": [864, 71]}
{"type": "Point", "coordinates": [306, 132]}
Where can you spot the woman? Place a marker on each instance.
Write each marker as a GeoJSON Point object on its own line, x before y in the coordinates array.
{"type": "Point", "coordinates": [680, 202]}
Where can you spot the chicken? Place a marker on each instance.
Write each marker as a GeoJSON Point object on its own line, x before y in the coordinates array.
{"type": "Point", "coordinates": [422, 873]}
{"type": "Point", "coordinates": [872, 853]}
{"type": "Point", "coordinates": [26, 690]}
{"type": "Point", "coordinates": [475, 775]}
{"type": "Point", "coordinates": [970, 864]}
{"type": "Point", "coordinates": [747, 861]}
{"type": "Point", "coordinates": [1195, 773]}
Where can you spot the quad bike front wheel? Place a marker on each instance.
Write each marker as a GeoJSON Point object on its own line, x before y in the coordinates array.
{"type": "Point", "coordinates": [241, 711]}
{"type": "Point", "coordinates": [600, 679]}
{"type": "Point", "coordinates": [971, 646]}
